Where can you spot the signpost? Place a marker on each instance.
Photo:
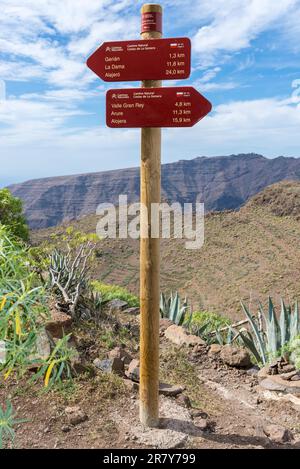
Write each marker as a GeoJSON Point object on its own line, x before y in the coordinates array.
{"type": "Point", "coordinates": [150, 59]}
{"type": "Point", "coordinates": [155, 107]}
{"type": "Point", "coordinates": [160, 59]}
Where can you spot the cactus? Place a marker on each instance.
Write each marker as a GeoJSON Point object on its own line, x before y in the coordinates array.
{"type": "Point", "coordinates": [265, 343]}
{"type": "Point", "coordinates": [69, 275]}
{"type": "Point", "coordinates": [172, 308]}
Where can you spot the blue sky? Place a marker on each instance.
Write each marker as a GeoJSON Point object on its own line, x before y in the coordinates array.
{"type": "Point", "coordinates": [245, 60]}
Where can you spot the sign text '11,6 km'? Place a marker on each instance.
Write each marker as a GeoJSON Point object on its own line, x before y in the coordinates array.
{"type": "Point", "coordinates": [156, 59]}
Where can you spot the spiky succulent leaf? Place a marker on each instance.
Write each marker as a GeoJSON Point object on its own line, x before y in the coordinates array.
{"type": "Point", "coordinates": [250, 345]}
{"type": "Point", "coordinates": [258, 335]}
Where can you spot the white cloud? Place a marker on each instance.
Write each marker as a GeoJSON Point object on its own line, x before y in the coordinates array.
{"type": "Point", "coordinates": [236, 23]}
{"type": "Point", "coordinates": [204, 83]}
{"type": "Point", "coordinates": [51, 39]}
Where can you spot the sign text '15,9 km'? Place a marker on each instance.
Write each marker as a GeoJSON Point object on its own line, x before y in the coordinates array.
{"type": "Point", "coordinates": [155, 107]}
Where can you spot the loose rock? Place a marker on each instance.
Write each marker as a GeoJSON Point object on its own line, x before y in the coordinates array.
{"type": "Point", "coordinates": [235, 356]}
{"type": "Point", "coordinates": [184, 400]}
{"type": "Point", "coordinates": [201, 423]}
{"type": "Point", "coordinates": [116, 306]}
{"type": "Point", "coordinates": [169, 389]}
{"type": "Point", "coordinates": [264, 372]}
{"type": "Point", "coordinates": [198, 413]}
{"type": "Point", "coordinates": [292, 375]}
{"type": "Point", "coordinates": [65, 428]}
{"type": "Point", "coordinates": [276, 383]}
{"type": "Point", "coordinates": [214, 350]}
{"type": "Point", "coordinates": [121, 354]}
{"type": "Point", "coordinates": [133, 371]}
{"type": "Point", "coordinates": [271, 385]}
{"type": "Point", "coordinates": [131, 385]}
{"type": "Point", "coordinates": [277, 433]}
{"type": "Point", "coordinates": [59, 324]}
{"type": "Point", "coordinates": [179, 336]}
{"type": "Point", "coordinates": [164, 323]}
{"type": "Point", "coordinates": [75, 415]}
{"type": "Point", "coordinates": [115, 365]}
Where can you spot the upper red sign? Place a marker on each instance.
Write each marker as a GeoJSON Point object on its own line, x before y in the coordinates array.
{"type": "Point", "coordinates": [154, 59]}
{"type": "Point", "coordinates": [155, 107]}
{"type": "Point", "coordinates": [151, 21]}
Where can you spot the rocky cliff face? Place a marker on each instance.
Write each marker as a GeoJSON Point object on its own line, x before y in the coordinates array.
{"type": "Point", "coordinates": [224, 182]}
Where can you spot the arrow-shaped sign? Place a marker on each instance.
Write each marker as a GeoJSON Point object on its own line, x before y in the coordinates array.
{"type": "Point", "coordinates": [155, 59]}
{"type": "Point", "coordinates": [155, 107]}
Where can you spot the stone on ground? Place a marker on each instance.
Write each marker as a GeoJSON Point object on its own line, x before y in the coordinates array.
{"type": "Point", "coordinates": [179, 336]}
{"type": "Point", "coordinates": [164, 323]}
{"type": "Point", "coordinates": [116, 306]}
{"type": "Point", "coordinates": [264, 372]}
{"type": "Point", "coordinates": [235, 356]}
{"type": "Point", "coordinates": [215, 350]}
{"type": "Point", "coordinates": [169, 389]}
{"type": "Point", "coordinates": [133, 371]}
{"type": "Point", "coordinates": [277, 433]}
{"type": "Point", "coordinates": [131, 385]}
{"type": "Point", "coordinates": [183, 400]}
{"type": "Point", "coordinates": [276, 383]}
{"type": "Point", "coordinates": [43, 346]}
{"type": "Point", "coordinates": [110, 365]}
{"type": "Point", "coordinates": [121, 354]}
{"type": "Point", "coordinates": [58, 324]}
{"type": "Point", "coordinates": [75, 415]}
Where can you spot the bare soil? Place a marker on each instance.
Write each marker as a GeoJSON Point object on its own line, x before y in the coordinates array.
{"type": "Point", "coordinates": [228, 396]}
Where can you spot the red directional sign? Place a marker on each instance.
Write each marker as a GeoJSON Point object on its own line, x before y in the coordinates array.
{"type": "Point", "coordinates": [155, 59]}
{"type": "Point", "coordinates": [155, 107]}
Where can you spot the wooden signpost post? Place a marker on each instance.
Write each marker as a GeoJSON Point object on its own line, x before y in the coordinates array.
{"type": "Point", "coordinates": [150, 247]}
{"type": "Point", "coordinates": [151, 107]}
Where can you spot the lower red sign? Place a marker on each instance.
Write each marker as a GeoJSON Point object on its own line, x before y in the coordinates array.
{"type": "Point", "coordinates": [155, 107]}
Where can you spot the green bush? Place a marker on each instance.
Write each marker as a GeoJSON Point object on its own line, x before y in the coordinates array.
{"type": "Point", "coordinates": [213, 321]}
{"type": "Point", "coordinates": [112, 292]}
{"type": "Point", "coordinates": [294, 349]}
{"type": "Point", "coordinates": [11, 214]}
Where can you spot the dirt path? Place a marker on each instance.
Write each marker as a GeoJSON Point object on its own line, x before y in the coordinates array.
{"type": "Point", "coordinates": [228, 399]}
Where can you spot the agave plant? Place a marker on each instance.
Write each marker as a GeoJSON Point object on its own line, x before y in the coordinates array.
{"type": "Point", "coordinates": [270, 334]}
{"type": "Point", "coordinates": [7, 423]}
{"type": "Point", "coordinates": [172, 308]}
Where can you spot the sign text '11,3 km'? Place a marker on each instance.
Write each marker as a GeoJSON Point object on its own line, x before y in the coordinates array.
{"type": "Point", "coordinates": [155, 107]}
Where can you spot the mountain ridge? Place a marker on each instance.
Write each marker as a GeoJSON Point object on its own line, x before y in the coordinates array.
{"type": "Point", "coordinates": [248, 254]}
{"type": "Point", "coordinates": [221, 182]}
